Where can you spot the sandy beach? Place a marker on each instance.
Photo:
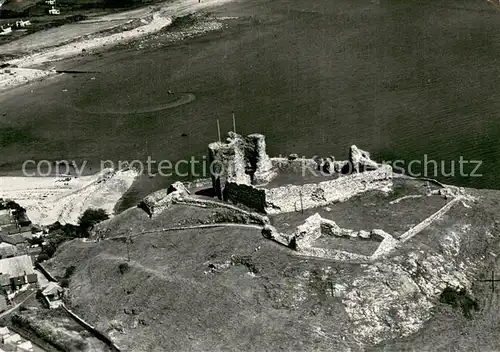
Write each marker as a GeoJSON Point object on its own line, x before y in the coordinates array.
{"type": "Point", "coordinates": [80, 38]}
{"type": "Point", "coordinates": [64, 199]}
{"type": "Point", "coordinates": [13, 77]}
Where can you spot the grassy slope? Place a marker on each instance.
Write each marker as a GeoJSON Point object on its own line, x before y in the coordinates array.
{"type": "Point", "coordinates": [177, 307]}
{"type": "Point", "coordinates": [450, 329]}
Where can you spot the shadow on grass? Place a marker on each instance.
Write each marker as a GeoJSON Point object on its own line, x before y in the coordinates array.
{"type": "Point", "coordinates": [207, 192]}
{"type": "Point", "coordinates": [459, 298]}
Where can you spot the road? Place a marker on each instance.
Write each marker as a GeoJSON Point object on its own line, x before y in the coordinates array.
{"type": "Point", "coordinates": [7, 312]}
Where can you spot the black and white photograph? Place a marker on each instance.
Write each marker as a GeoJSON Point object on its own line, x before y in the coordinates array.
{"type": "Point", "coordinates": [249, 175]}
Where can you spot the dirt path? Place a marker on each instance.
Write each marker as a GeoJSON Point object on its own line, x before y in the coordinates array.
{"type": "Point", "coordinates": [183, 228]}
{"type": "Point", "coordinates": [17, 305]}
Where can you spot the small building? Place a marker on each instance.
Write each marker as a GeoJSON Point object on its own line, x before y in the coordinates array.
{"type": "Point", "coordinates": [23, 220]}
{"type": "Point", "coordinates": [3, 304]}
{"type": "Point", "coordinates": [32, 278]}
{"type": "Point", "coordinates": [22, 24]}
{"type": "Point", "coordinates": [53, 294]}
{"type": "Point", "coordinates": [17, 266]}
{"type": "Point", "coordinates": [5, 286]}
{"type": "Point", "coordinates": [13, 342]}
{"type": "Point", "coordinates": [5, 217]}
{"type": "Point", "coordinates": [18, 282]}
{"type": "Point", "coordinates": [54, 11]}
{"type": "Point", "coordinates": [5, 30]}
{"type": "Point", "coordinates": [27, 235]}
{"type": "Point", "coordinates": [19, 272]}
{"type": "Point", "coordinates": [11, 227]}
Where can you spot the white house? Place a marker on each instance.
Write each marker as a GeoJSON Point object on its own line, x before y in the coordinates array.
{"type": "Point", "coordinates": [22, 24]}
{"type": "Point", "coordinates": [54, 11]}
{"type": "Point", "coordinates": [5, 30]}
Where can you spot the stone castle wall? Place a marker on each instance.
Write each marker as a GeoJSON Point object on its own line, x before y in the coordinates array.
{"type": "Point", "coordinates": [289, 198]}
{"type": "Point", "coordinates": [241, 160]}
{"type": "Point", "coordinates": [247, 195]}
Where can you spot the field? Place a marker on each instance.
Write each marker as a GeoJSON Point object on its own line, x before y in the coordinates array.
{"type": "Point", "coordinates": [167, 299]}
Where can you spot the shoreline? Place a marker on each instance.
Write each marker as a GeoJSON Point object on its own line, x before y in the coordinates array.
{"type": "Point", "coordinates": [48, 199]}
{"type": "Point", "coordinates": [162, 16]}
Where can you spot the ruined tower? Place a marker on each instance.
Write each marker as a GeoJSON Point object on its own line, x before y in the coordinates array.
{"type": "Point", "coordinates": [240, 160]}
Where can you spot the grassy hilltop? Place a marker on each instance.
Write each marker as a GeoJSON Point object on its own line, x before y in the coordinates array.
{"type": "Point", "coordinates": [230, 288]}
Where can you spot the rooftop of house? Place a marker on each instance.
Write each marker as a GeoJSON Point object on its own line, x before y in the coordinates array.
{"type": "Point", "coordinates": [8, 227]}
{"type": "Point", "coordinates": [4, 281]}
{"type": "Point", "coordinates": [3, 303]}
{"type": "Point", "coordinates": [17, 266]}
{"type": "Point", "coordinates": [32, 278]}
{"type": "Point", "coordinates": [52, 289]}
{"type": "Point", "coordinates": [18, 281]}
{"type": "Point", "coordinates": [13, 239]}
{"type": "Point", "coordinates": [26, 234]}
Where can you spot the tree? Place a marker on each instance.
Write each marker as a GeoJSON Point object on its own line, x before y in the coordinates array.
{"type": "Point", "coordinates": [70, 270]}
{"type": "Point", "coordinates": [42, 257]}
{"type": "Point", "coordinates": [90, 218]}
{"type": "Point", "coordinates": [123, 267]}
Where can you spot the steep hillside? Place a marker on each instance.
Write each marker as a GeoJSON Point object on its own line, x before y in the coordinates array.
{"type": "Point", "coordinates": [229, 288]}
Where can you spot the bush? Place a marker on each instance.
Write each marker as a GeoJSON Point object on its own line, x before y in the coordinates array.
{"type": "Point", "coordinates": [183, 22]}
{"type": "Point", "coordinates": [123, 267]}
{"type": "Point", "coordinates": [246, 261]}
{"type": "Point", "coordinates": [35, 240]}
{"type": "Point", "coordinates": [70, 270]}
{"type": "Point", "coordinates": [58, 234]}
{"type": "Point", "coordinates": [42, 257]}
{"type": "Point", "coordinates": [459, 298]}
{"type": "Point", "coordinates": [90, 218]}
{"type": "Point", "coordinates": [64, 282]}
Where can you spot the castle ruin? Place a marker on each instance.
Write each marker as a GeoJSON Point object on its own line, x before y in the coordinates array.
{"type": "Point", "coordinates": [241, 160]}
{"type": "Point", "coordinates": [243, 173]}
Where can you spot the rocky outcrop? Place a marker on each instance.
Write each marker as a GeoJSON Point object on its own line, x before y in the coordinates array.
{"type": "Point", "coordinates": [156, 202]}
{"type": "Point", "coordinates": [394, 298]}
